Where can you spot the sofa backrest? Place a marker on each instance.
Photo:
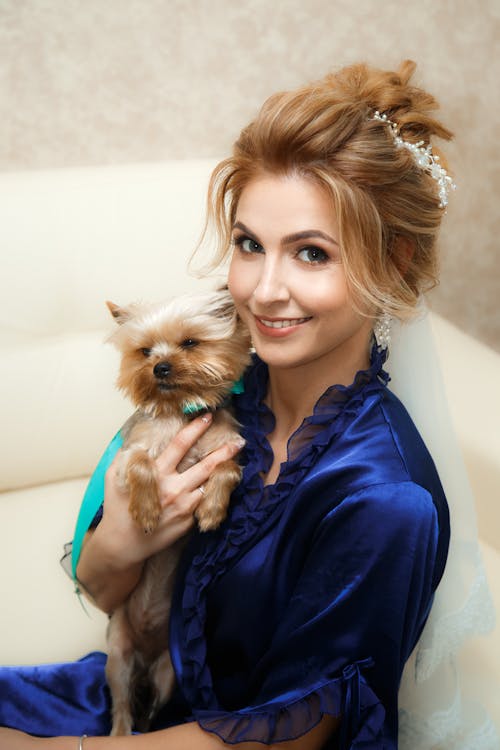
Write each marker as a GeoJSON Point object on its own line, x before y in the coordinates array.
{"type": "Point", "coordinates": [69, 240]}
{"type": "Point", "coordinates": [72, 238]}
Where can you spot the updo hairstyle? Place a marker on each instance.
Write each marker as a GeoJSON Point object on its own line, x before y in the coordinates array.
{"type": "Point", "coordinates": [387, 207]}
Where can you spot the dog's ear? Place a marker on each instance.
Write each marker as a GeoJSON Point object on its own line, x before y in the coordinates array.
{"type": "Point", "coordinates": [120, 314]}
{"type": "Point", "coordinates": [222, 303]}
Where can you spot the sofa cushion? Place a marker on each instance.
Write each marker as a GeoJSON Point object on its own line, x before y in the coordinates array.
{"type": "Point", "coordinates": [42, 620]}
{"type": "Point", "coordinates": [60, 406]}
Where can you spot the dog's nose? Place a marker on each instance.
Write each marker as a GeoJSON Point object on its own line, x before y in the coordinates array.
{"type": "Point", "coordinates": [161, 370]}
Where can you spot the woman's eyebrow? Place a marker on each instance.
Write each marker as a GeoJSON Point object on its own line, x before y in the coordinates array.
{"type": "Point", "coordinates": [306, 234]}
{"type": "Point", "coordinates": [240, 225]}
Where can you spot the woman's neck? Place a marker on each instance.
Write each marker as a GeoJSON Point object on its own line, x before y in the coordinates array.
{"type": "Point", "coordinates": [293, 392]}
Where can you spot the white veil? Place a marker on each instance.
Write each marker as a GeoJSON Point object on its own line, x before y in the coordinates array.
{"type": "Point", "coordinates": [433, 712]}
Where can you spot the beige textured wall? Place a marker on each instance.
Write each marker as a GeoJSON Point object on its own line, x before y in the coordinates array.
{"type": "Point", "coordinates": [107, 81]}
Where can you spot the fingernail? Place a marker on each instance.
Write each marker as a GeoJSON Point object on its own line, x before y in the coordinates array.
{"type": "Point", "coordinates": [207, 417]}
{"type": "Point", "coordinates": [239, 443]}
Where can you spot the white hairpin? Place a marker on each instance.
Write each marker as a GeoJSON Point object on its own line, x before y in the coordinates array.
{"type": "Point", "coordinates": [423, 157]}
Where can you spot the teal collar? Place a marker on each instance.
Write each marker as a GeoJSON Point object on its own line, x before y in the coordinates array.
{"type": "Point", "coordinates": [199, 405]}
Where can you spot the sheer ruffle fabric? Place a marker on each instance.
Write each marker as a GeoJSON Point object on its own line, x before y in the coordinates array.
{"type": "Point", "coordinates": [349, 695]}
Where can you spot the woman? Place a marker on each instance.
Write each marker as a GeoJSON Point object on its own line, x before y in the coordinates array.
{"type": "Point", "coordinates": [292, 623]}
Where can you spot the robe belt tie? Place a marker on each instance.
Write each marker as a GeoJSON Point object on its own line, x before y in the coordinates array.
{"type": "Point", "coordinates": [351, 712]}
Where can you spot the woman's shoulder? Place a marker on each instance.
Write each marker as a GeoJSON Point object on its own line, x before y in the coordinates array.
{"type": "Point", "coordinates": [399, 435]}
{"type": "Point", "coordinates": [380, 455]}
{"type": "Point", "coordinates": [378, 444]}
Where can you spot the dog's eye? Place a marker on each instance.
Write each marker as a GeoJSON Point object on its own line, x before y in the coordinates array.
{"type": "Point", "coordinates": [189, 343]}
{"type": "Point", "coordinates": [146, 352]}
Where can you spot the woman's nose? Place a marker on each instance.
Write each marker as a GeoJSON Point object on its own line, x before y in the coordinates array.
{"type": "Point", "coordinates": [271, 285]}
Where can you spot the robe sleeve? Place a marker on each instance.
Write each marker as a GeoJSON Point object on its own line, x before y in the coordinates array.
{"type": "Point", "coordinates": [355, 613]}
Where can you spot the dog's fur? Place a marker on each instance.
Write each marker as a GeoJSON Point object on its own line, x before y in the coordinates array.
{"type": "Point", "coordinates": [188, 351]}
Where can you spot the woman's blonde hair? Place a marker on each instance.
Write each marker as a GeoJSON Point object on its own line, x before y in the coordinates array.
{"type": "Point", "coordinates": [387, 207]}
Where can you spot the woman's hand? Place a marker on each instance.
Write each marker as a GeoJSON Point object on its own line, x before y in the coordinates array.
{"type": "Point", "coordinates": [179, 494]}
{"type": "Point", "coordinates": [113, 555]}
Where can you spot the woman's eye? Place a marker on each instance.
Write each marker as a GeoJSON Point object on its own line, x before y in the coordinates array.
{"type": "Point", "coordinates": [248, 245]}
{"type": "Point", "coordinates": [312, 255]}
{"type": "Point", "coordinates": [189, 343]}
{"type": "Point", "coordinates": [146, 352]}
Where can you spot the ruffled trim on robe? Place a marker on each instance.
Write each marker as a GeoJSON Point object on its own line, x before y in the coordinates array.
{"type": "Point", "coordinates": [349, 696]}
{"type": "Point", "coordinates": [251, 513]}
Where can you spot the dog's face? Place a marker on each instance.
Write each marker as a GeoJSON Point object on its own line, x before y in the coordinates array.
{"type": "Point", "coordinates": [191, 349]}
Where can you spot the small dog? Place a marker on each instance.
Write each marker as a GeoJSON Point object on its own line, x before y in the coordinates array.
{"type": "Point", "coordinates": [178, 359]}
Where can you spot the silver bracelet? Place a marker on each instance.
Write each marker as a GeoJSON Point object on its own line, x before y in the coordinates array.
{"type": "Point", "coordinates": [80, 741]}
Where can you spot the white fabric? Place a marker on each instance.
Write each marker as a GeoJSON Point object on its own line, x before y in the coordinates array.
{"type": "Point", "coordinates": [434, 709]}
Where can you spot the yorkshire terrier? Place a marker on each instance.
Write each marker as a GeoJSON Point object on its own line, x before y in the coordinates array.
{"type": "Point", "coordinates": [178, 359]}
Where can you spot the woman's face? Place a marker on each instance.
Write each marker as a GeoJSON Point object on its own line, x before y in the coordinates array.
{"type": "Point", "coordinates": [287, 278]}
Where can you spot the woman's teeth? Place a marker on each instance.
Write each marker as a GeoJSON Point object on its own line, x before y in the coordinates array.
{"type": "Point", "coordinates": [283, 323]}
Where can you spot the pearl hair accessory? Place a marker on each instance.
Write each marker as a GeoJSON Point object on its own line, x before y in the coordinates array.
{"type": "Point", "coordinates": [382, 331]}
{"type": "Point", "coordinates": [423, 157]}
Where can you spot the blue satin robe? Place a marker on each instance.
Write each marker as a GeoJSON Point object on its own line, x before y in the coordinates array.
{"type": "Point", "coordinates": [306, 601]}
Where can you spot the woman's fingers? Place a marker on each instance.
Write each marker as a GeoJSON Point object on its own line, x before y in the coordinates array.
{"type": "Point", "coordinates": [201, 471]}
{"type": "Point", "coordinates": [184, 440]}
{"type": "Point", "coordinates": [179, 492]}
{"type": "Point", "coordinates": [174, 485]}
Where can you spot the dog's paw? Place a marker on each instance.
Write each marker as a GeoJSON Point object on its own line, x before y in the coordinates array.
{"type": "Point", "coordinates": [213, 508]}
{"type": "Point", "coordinates": [122, 727]}
{"type": "Point", "coordinates": [147, 518]}
{"type": "Point", "coordinates": [145, 505]}
{"type": "Point", "coordinates": [209, 517]}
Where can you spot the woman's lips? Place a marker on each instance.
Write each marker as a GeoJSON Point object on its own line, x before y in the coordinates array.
{"type": "Point", "coordinates": [278, 327]}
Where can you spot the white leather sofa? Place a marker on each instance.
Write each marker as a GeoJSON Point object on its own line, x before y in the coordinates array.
{"type": "Point", "coordinates": [69, 240]}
